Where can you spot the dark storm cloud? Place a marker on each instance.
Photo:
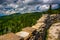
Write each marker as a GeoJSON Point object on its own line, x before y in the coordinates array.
{"type": "Point", "coordinates": [2, 1]}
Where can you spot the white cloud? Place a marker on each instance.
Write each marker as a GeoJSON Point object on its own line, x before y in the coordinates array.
{"type": "Point", "coordinates": [44, 7]}
{"type": "Point", "coordinates": [28, 1]}
{"type": "Point", "coordinates": [13, 5]}
{"type": "Point", "coordinates": [10, 12]}
{"type": "Point", "coordinates": [47, 1]}
{"type": "Point", "coordinates": [55, 6]}
{"type": "Point", "coordinates": [23, 8]}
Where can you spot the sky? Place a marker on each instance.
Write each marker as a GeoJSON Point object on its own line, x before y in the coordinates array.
{"type": "Point", "coordinates": [8, 7]}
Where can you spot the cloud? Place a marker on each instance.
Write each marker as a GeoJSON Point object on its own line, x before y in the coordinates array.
{"type": "Point", "coordinates": [32, 2]}
{"type": "Point", "coordinates": [28, 1]}
{"type": "Point", "coordinates": [42, 7]}
{"type": "Point", "coordinates": [13, 5]}
{"type": "Point", "coordinates": [22, 6]}
{"type": "Point", "coordinates": [48, 1]}
{"type": "Point", "coordinates": [55, 6]}
{"type": "Point", "coordinates": [10, 12]}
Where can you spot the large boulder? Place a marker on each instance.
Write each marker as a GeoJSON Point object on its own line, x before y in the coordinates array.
{"type": "Point", "coordinates": [26, 32]}
{"type": "Point", "coordinates": [38, 25]}
{"type": "Point", "coordinates": [54, 32]}
{"type": "Point", "coordinates": [10, 36]}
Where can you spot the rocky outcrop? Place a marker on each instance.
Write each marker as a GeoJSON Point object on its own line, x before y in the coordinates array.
{"type": "Point", "coordinates": [43, 24]}
{"type": "Point", "coordinates": [38, 31]}
{"type": "Point", "coordinates": [54, 32]}
{"type": "Point", "coordinates": [10, 36]}
{"type": "Point", "coordinates": [41, 21]}
{"type": "Point", "coordinates": [26, 32]}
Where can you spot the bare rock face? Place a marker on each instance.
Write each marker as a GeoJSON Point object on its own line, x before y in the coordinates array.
{"type": "Point", "coordinates": [43, 24]}
{"type": "Point", "coordinates": [43, 18]}
{"type": "Point", "coordinates": [25, 33]}
{"type": "Point", "coordinates": [38, 25]}
{"type": "Point", "coordinates": [40, 22]}
{"type": "Point", "coordinates": [54, 32]}
{"type": "Point", "coordinates": [38, 31]}
{"type": "Point", "coordinates": [10, 36]}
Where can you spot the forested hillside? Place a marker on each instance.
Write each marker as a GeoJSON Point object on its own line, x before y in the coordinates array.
{"type": "Point", "coordinates": [17, 21]}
